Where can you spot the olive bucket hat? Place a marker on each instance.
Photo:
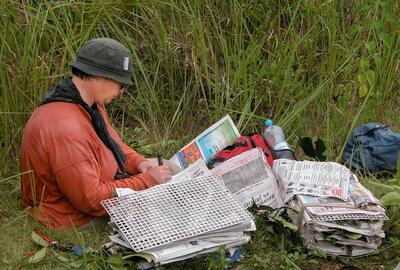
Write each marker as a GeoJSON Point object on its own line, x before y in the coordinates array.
{"type": "Point", "coordinates": [105, 57]}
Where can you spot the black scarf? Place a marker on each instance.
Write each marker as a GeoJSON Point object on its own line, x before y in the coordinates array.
{"type": "Point", "coordinates": [65, 91]}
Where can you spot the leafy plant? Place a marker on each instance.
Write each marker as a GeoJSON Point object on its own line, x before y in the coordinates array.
{"type": "Point", "coordinates": [218, 260]}
{"type": "Point", "coordinates": [390, 192]}
{"type": "Point", "coordinates": [309, 150]}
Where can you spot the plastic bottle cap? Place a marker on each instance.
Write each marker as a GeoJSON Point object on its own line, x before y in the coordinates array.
{"type": "Point", "coordinates": [268, 122]}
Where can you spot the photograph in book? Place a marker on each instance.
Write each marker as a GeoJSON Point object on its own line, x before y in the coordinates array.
{"type": "Point", "coordinates": [249, 178]}
{"type": "Point", "coordinates": [189, 155]}
{"type": "Point", "coordinates": [208, 143]}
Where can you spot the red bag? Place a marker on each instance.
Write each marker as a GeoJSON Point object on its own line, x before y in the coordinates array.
{"type": "Point", "coordinates": [244, 143]}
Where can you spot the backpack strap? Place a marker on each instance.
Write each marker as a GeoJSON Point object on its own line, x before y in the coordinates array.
{"type": "Point", "coordinates": [367, 129]}
{"type": "Point", "coordinates": [272, 151]}
{"type": "Point", "coordinates": [251, 141]}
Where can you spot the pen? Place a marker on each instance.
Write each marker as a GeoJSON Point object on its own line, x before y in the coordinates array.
{"type": "Point", "coordinates": [160, 159]}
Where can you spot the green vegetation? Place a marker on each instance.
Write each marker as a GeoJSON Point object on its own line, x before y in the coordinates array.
{"type": "Point", "coordinates": [318, 68]}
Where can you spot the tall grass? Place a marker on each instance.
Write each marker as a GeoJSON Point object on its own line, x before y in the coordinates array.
{"type": "Point", "coordinates": [318, 68]}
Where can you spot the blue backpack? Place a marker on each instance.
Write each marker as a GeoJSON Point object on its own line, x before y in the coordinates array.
{"type": "Point", "coordinates": [372, 148]}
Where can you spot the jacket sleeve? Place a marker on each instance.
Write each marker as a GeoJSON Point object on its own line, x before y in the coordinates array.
{"type": "Point", "coordinates": [133, 159]}
{"type": "Point", "coordinates": [80, 183]}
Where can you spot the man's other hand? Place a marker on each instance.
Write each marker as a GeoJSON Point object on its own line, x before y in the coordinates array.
{"type": "Point", "coordinates": [161, 173]}
{"type": "Point", "coordinates": [144, 165]}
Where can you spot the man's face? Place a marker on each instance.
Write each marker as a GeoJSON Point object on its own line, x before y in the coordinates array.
{"type": "Point", "coordinates": [105, 90]}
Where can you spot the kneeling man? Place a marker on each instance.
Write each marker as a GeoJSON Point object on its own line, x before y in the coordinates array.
{"type": "Point", "coordinates": [76, 157]}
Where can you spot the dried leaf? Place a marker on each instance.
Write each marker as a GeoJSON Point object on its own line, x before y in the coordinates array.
{"type": "Point", "coordinates": [38, 256]}
{"type": "Point", "coordinates": [39, 240]}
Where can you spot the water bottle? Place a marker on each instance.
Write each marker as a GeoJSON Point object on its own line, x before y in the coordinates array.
{"type": "Point", "coordinates": [275, 137]}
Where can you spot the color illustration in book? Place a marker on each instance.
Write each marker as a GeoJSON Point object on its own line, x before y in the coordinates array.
{"type": "Point", "coordinates": [189, 154]}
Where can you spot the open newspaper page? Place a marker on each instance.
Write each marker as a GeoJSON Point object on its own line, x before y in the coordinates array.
{"type": "Point", "coordinates": [324, 179]}
{"type": "Point", "coordinates": [197, 169]}
{"type": "Point", "coordinates": [250, 178]}
{"type": "Point", "coordinates": [208, 143]}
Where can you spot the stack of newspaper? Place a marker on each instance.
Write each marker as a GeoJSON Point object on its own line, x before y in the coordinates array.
{"type": "Point", "coordinates": [179, 220]}
{"type": "Point", "coordinates": [335, 213]}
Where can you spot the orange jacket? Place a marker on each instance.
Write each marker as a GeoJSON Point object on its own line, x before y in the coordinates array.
{"type": "Point", "coordinates": [72, 169]}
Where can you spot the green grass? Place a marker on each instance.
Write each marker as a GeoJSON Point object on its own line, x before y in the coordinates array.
{"type": "Point", "coordinates": [318, 68]}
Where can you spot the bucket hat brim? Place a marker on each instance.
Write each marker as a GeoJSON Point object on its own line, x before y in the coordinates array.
{"type": "Point", "coordinates": [94, 71]}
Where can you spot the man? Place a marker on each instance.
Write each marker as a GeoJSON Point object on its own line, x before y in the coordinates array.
{"type": "Point", "coordinates": [77, 158]}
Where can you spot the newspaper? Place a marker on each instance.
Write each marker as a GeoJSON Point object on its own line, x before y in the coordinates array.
{"type": "Point", "coordinates": [197, 169]}
{"type": "Point", "coordinates": [360, 204]}
{"type": "Point", "coordinates": [189, 248]}
{"type": "Point", "coordinates": [119, 192]}
{"type": "Point", "coordinates": [249, 178]}
{"type": "Point", "coordinates": [361, 196]}
{"type": "Point", "coordinates": [208, 143]}
{"type": "Point", "coordinates": [324, 179]}
{"type": "Point", "coordinates": [331, 209]}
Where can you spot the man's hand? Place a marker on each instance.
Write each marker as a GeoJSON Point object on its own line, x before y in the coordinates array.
{"type": "Point", "coordinates": [144, 165]}
{"type": "Point", "coordinates": [161, 173]}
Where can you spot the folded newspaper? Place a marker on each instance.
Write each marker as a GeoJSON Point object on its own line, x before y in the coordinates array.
{"type": "Point", "coordinates": [180, 219]}
{"type": "Point", "coordinates": [335, 213]}
{"type": "Point", "coordinates": [250, 179]}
